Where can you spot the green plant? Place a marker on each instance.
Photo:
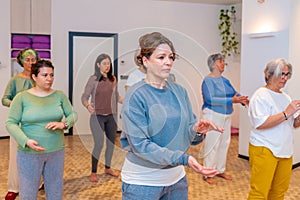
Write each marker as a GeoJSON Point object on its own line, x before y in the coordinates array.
{"type": "Point", "coordinates": [228, 36]}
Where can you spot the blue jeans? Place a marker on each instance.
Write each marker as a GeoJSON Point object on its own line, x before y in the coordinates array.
{"type": "Point", "coordinates": [32, 166]}
{"type": "Point", "coordinates": [177, 191]}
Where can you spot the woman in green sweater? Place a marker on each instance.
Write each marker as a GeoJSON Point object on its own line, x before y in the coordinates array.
{"type": "Point", "coordinates": [40, 111]}
{"type": "Point", "coordinates": [16, 84]}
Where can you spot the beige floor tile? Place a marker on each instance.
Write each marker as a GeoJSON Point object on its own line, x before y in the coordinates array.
{"type": "Point", "coordinates": [78, 164]}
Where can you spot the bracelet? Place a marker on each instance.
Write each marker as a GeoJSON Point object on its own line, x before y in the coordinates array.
{"type": "Point", "coordinates": [285, 117]}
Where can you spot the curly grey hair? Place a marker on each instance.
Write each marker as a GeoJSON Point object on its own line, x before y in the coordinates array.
{"type": "Point", "coordinates": [212, 59]}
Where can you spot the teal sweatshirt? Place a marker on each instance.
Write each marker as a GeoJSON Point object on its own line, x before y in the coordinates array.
{"type": "Point", "coordinates": [157, 125]}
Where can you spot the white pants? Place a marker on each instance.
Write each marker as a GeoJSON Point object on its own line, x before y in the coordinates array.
{"type": "Point", "coordinates": [216, 144]}
{"type": "Point", "coordinates": [13, 182]}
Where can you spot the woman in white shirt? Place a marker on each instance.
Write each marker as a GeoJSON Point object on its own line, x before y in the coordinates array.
{"type": "Point", "coordinates": [272, 115]}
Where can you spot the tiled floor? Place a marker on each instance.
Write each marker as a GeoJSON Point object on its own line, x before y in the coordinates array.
{"type": "Point", "coordinates": [78, 187]}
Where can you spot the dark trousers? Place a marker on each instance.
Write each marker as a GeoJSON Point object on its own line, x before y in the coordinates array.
{"type": "Point", "coordinates": [99, 125]}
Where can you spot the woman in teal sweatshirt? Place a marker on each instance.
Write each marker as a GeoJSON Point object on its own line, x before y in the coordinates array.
{"type": "Point", "coordinates": [158, 128]}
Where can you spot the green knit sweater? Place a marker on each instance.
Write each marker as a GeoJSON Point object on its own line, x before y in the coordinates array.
{"type": "Point", "coordinates": [29, 115]}
{"type": "Point", "coordinates": [15, 85]}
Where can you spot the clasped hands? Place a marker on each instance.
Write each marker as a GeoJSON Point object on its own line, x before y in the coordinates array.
{"type": "Point", "coordinates": [240, 99]}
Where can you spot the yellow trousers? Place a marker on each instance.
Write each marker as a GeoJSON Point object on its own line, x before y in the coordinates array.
{"type": "Point", "coordinates": [270, 176]}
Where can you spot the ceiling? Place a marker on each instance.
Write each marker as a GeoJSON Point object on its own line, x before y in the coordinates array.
{"type": "Point", "coordinates": [220, 2]}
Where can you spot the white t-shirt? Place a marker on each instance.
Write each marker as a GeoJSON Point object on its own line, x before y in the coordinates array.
{"type": "Point", "coordinates": [135, 77]}
{"type": "Point", "coordinates": [279, 139]}
{"type": "Point", "coordinates": [139, 175]}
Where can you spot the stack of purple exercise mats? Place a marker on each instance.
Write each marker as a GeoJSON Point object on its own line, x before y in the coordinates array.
{"type": "Point", "coordinates": [41, 43]}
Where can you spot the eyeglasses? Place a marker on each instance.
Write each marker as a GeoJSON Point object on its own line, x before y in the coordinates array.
{"type": "Point", "coordinates": [287, 75]}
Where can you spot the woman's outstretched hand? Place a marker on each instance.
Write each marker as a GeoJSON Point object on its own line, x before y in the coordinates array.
{"type": "Point", "coordinates": [203, 126]}
{"type": "Point", "coordinates": [206, 171]}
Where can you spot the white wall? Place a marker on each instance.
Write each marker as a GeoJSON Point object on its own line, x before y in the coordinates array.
{"type": "Point", "coordinates": [232, 70]}
{"type": "Point", "coordinates": [191, 26]}
{"type": "Point", "coordinates": [187, 24]}
{"type": "Point", "coordinates": [295, 60]}
{"type": "Point", "coordinates": [4, 58]}
{"type": "Point", "coordinates": [123, 16]}
{"type": "Point", "coordinates": [274, 16]}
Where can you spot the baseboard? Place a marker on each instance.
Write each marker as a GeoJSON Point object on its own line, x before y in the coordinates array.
{"type": "Point", "coordinates": [243, 157]}
{"type": "Point", "coordinates": [7, 137]}
{"type": "Point", "coordinates": [296, 165]}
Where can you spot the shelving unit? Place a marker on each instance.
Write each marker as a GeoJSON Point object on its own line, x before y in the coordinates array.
{"type": "Point", "coordinates": [41, 43]}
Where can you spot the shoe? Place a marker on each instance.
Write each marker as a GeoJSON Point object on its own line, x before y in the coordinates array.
{"type": "Point", "coordinates": [225, 176]}
{"type": "Point", "coordinates": [94, 178]}
{"type": "Point", "coordinates": [210, 180]}
{"type": "Point", "coordinates": [111, 172]}
{"type": "Point", "coordinates": [42, 186]}
{"type": "Point", "coordinates": [198, 139]}
{"type": "Point", "coordinates": [11, 196]}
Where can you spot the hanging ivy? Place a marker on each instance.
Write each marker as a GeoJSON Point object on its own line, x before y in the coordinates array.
{"type": "Point", "coordinates": [228, 36]}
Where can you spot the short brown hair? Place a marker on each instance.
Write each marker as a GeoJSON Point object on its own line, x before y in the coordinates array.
{"type": "Point", "coordinates": [149, 42]}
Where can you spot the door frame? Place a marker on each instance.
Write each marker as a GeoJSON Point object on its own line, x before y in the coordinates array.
{"type": "Point", "coordinates": [72, 35]}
